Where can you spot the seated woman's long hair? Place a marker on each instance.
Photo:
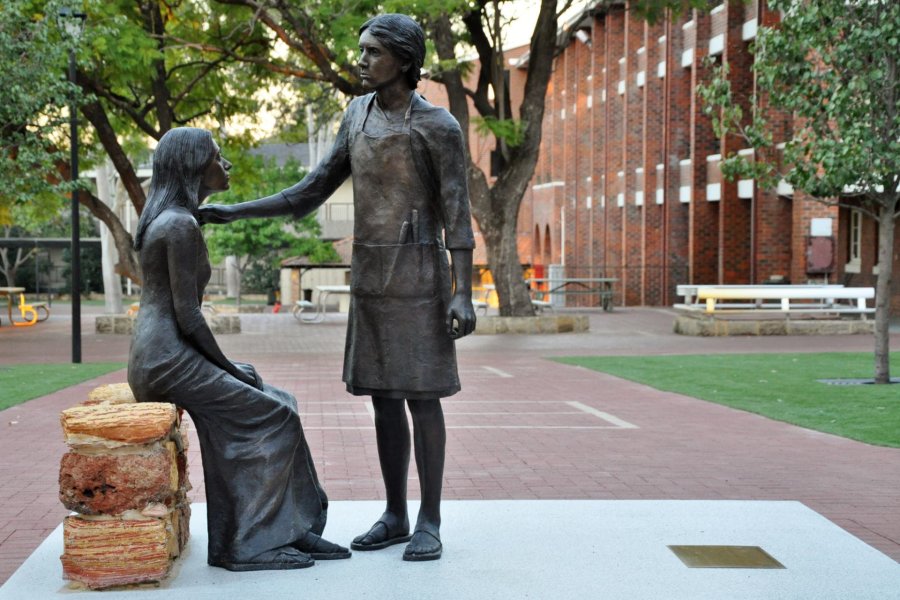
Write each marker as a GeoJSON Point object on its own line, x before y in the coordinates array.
{"type": "Point", "coordinates": [179, 161]}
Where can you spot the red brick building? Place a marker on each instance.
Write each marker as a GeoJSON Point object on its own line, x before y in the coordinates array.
{"type": "Point", "coordinates": [628, 182]}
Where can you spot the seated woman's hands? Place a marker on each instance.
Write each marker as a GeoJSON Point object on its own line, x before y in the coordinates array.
{"type": "Point", "coordinates": [247, 373]}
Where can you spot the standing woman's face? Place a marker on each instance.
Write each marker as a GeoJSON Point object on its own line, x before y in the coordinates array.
{"type": "Point", "coordinates": [378, 67]}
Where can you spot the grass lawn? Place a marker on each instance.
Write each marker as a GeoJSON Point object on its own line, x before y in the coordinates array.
{"type": "Point", "coordinates": [778, 386]}
{"type": "Point", "coordinates": [20, 383]}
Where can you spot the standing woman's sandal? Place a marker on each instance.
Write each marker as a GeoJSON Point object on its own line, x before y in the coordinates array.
{"type": "Point", "coordinates": [378, 537]}
{"type": "Point", "coordinates": [424, 546]}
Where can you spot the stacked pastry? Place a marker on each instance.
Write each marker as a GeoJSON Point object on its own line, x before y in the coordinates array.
{"type": "Point", "coordinates": [126, 476]}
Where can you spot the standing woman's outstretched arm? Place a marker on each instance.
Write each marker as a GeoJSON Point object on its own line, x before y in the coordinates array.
{"type": "Point", "coordinates": [301, 198]}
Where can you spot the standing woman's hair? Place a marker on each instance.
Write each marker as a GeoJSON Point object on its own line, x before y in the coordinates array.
{"type": "Point", "coordinates": [179, 161]}
{"type": "Point", "coordinates": [403, 38]}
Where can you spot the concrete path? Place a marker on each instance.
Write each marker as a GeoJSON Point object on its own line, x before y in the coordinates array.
{"type": "Point", "coordinates": [522, 428]}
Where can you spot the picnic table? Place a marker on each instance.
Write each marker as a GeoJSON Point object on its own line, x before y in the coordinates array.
{"type": "Point", "coordinates": [318, 314]}
{"type": "Point", "coordinates": [10, 292]}
{"type": "Point", "coordinates": [601, 286]}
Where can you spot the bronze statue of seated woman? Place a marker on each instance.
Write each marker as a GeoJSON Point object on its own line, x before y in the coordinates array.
{"type": "Point", "coordinates": [266, 508]}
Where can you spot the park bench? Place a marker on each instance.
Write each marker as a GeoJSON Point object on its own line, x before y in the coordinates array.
{"type": "Point", "coordinates": [777, 299]}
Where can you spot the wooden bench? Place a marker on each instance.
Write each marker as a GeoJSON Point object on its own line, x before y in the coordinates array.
{"type": "Point", "coordinates": [689, 291]}
{"type": "Point", "coordinates": [783, 299]}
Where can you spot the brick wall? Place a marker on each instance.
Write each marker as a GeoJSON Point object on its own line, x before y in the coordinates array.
{"type": "Point", "coordinates": [621, 123]}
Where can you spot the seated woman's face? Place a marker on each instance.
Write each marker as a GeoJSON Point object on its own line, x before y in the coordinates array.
{"type": "Point", "coordinates": [215, 177]}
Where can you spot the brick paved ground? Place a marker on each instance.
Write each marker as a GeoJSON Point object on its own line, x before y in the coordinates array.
{"type": "Point", "coordinates": [523, 426]}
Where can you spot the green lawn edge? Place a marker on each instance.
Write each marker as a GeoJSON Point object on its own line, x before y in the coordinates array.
{"type": "Point", "coordinates": [21, 383]}
{"type": "Point", "coordinates": [779, 386]}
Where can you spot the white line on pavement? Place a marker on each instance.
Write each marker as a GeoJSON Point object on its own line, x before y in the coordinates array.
{"type": "Point", "coordinates": [496, 371]}
{"type": "Point", "coordinates": [602, 415]}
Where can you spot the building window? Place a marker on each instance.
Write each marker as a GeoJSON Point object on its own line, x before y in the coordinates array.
{"type": "Point", "coordinates": [620, 189]}
{"type": "Point", "coordinates": [639, 186]}
{"type": "Point", "coordinates": [685, 180]}
{"type": "Point", "coordinates": [689, 37]}
{"type": "Point", "coordinates": [660, 179]}
{"type": "Point", "coordinates": [751, 10]}
{"type": "Point", "coordinates": [877, 240]}
{"type": "Point", "coordinates": [713, 178]}
{"type": "Point", "coordinates": [854, 235]}
{"type": "Point", "coordinates": [661, 65]}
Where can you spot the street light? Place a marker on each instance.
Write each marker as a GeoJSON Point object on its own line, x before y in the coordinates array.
{"type": "Point", "coordinates": [72, 23]}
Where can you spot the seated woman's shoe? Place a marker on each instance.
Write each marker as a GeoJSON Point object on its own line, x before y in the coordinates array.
{"type": "Point", "coordinates": [379, 536]}
{"type": "Point", "coordinates": [424, 545]}
{"type": "Point", "coordinates": [279, 559]}
{"type": "Point", "coordinates": [319, 548]}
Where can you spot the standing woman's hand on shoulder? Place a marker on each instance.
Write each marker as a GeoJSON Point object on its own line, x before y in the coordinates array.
{"type": "Point", "coordinates": [216, 214]}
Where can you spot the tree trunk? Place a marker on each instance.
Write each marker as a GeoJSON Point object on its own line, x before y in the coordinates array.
{"type": "Point", "coordinates": [112, 283]}
{"type": "Point", "coordinates": [129, 265]}
{"type": "Point", "coordinates": [496, 209]}
{"type": "Point", "coordinates": [4, 267]}
{"type": "Point", "coordinates": [10, 268]}
{"type": "Point", "coordinates": [886, 225]}
{"type": "Point", "coordinates": [241, 266]}
{"type": "Point", "coordinates": [232, 277]}
{"type": "Point", "coordinates": [107, 135]}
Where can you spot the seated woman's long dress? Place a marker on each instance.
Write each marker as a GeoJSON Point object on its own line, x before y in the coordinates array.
{"type": "Point", "coordinates": [262, 490]}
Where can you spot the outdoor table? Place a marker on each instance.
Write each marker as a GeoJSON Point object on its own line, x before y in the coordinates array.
{"type": "Point", "coordinates": [10, 292]}
{"type": "Point", "coordinates": [602, 286]}
{"type": "Point", "coordinates": [324, 292]}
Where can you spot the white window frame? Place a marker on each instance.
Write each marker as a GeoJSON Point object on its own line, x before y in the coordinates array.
{"type": "Point", "coordinates": [854, 250]}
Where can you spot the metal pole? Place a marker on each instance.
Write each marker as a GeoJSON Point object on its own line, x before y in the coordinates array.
{"type": "Point", "coordinates": [76, 234]}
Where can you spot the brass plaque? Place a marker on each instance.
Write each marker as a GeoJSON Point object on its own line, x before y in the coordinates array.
{"type": "Point", "coordinates": [725, 557]}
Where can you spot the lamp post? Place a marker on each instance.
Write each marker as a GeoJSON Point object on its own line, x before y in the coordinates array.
{"type": "Point", "coordinates": [72, 23]}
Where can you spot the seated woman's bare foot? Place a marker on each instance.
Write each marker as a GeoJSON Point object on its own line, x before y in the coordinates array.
{"type": "Point", "coordinates": [319, 548]}
{"type": "Point", "coordinates": [387, 531]}
{"type": "Point", "coordinates": [277, 559]}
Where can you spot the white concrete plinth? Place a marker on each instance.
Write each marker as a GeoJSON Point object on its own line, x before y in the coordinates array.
{"type": "Point", "coordinates": [537, 549]}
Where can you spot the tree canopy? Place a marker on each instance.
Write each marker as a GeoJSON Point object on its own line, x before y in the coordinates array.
{"type": "Point", "coordinates": [34, 101]}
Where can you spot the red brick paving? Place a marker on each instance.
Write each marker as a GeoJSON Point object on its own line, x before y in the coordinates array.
{"type": "Point", "coordinates": [511, 432]}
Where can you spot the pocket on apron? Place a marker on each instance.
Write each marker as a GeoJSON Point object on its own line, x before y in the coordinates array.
{"type": "Point", "coordinates": [395, 270]}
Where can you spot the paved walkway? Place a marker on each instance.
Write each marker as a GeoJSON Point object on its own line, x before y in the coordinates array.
{"type": "Point", "coordinates": [522, 428]}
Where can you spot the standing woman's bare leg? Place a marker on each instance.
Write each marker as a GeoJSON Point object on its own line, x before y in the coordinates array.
{"type": "Point", "coordinates": [430, 437]}
{"type": "Point", "coordinates": [392, 437]}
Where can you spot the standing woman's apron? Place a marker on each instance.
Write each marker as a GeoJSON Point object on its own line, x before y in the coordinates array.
{"type": "Point", "coordinates": [397, 341]}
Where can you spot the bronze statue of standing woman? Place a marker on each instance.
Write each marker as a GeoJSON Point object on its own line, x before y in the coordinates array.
{"type": "Point", "coordinates": [408, 305]}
